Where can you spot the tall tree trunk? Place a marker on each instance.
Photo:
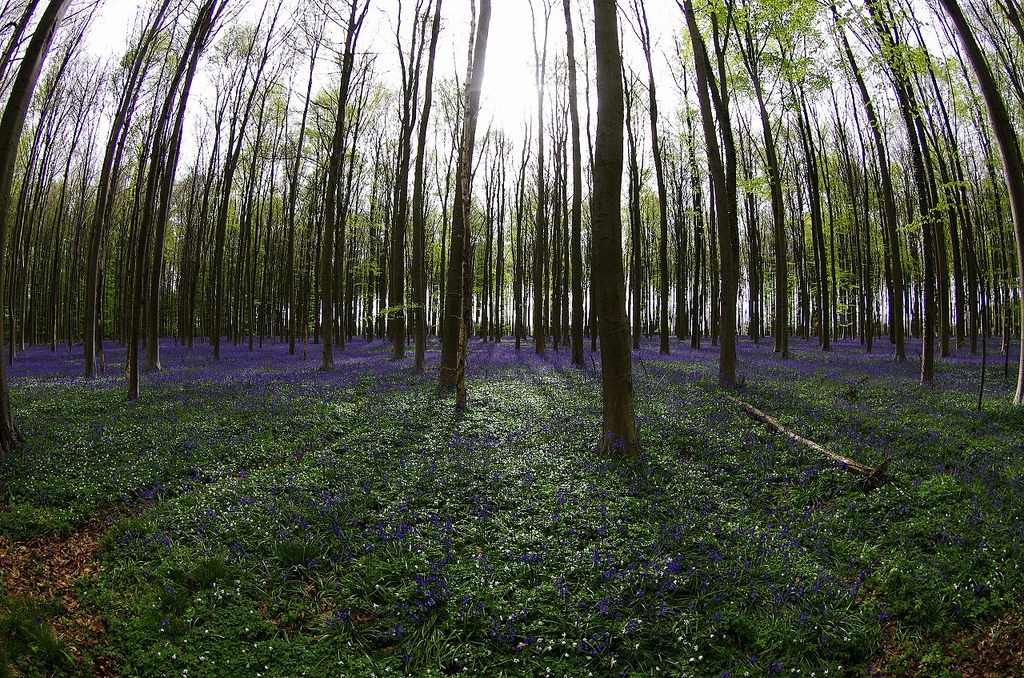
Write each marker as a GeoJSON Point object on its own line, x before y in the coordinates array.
{"type": "Point", "coordinates": [109, 172]}
{"type": "Point", "coordinates": [410, 75]}
{"type": "Point", "coordinates": [889, 225]}
{"type": "Point", "coordinates": [636, 258]}
{"type": "Point", "coordinates": [11, 125]}
{"type": "Point", "coordinates": [774, 169]}
{"type": "Point", "coordinates": [293, 193]}
{"type": "Point", "coordinates": [817, 227]}
{"type": "Point", "coordinates": [1008, 142]}
{"type": "Point", "coordinates": [576, 237]}
{"type": "Point", "coordinates": [659, 172]}
{"type": "Point", "coordinates": [453, 343]}
{"type": "Point", "coordinates": [722, 166]}
{"type": "Point", "coordinates": [419, 214]}
{"type": "Point", "coordinates": [334, 168]}
{"type": "Point", "coordinates": [519, 274]}
{"type": "Point", "coordinates": [619, 431]}
{"type": "Point", "coordinates": [540, 239]}
{"type": "Point", "coordinates": [164, 153]}
{"type": "Point", "coordinates": [236, 138]}
{"type": "Point", "coordinates": [917, 149]}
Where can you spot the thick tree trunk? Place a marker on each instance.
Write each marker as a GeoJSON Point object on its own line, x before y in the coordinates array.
{"type": "Point", "coordinates": [619, 431]}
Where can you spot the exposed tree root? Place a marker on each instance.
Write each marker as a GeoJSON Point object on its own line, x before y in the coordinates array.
{"type": "Point", "coordinates": [873, 475]}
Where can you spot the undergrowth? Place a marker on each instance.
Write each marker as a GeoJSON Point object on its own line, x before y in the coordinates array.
{"type": "Point", "coordinates": [352, 523]}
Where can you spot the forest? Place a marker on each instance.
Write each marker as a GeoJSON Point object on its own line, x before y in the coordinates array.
{"type": "Point", "coordinates": [526, 338]}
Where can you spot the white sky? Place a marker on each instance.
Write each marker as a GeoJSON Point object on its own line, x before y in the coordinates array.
{"type": "Point", "coordinates": [509, 96]}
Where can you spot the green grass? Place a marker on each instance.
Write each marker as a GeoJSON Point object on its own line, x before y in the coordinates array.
{"type": "Point", "coordinates": [354, 524]}
{"type": "Point", "coordinates": [26, 635]}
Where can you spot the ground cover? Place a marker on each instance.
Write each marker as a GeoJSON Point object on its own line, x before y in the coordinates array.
{"type": "Point", "coordinates": [263, 518]}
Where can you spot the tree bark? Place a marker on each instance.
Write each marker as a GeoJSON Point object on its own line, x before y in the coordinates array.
{"type": "Point", "coordinates": [619, 430]}
{"type": "Point", "coordinates": [419, 216]}
{"type": "Point", "coordinates": [917, 149]}
{"type": "Point", "coordinates": [540, 240]}
{"type": "Point", "coordinates": [659, 172]}
{"type": "Point", "coordinates": [453, 344]}
{"type": "Point", "coordinates": [1006, 139]}
{"type": "Point", "coordinates": [576, 236]}
{"type": "Point", "coordinates": [11, 125]}
{"type": "Point", "coordinates": [334, 168]}
{"type": "Point", "coordinates": [722, 166]}
{"type": "Point", "coordinates": [894, 258]}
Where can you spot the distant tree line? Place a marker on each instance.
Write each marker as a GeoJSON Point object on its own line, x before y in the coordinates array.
{"type": "Point", "coordinates": [785, 168]}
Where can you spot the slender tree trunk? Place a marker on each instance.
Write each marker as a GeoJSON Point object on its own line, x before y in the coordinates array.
{"type": "Point", "coordinates": [659, 172]}
{"type": "Point", "coordinates": [293, 195]}
{"type": "Point", "coordinates": [419, 215]}
{"type": "Point", "coordinates": [109, 172]}
{"type": "Point", "coordinates": [1008, 142]}
{"type": "Point", "coordinates": [890, 226]}
{"type": "Point", "coordinates": [774, 169]}
{"type": "Point", "coordinates": [11, 125]}
{"type": "Point", "coordinates": [635, 238]}
{"type": "Point", "coordinates": [540, 241]}
{"type": "Point", "coordinates": [165, 153]}
{"type": "Point", "coordinates": [722, 166]}
{"type": "Point", "coordinates": [334, 168]}
{"type": "Point", "coordinates": [576, 237]}
{"type": "Point", "coordinates": [917, 149]}
{"type": "Point", "coordinates": [453, 344]}
{"type": "Point", "coordinates": [410, 73]}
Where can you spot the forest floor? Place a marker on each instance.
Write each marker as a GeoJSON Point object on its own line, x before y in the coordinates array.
{"type": "Point", "coordinates": [255, 516]}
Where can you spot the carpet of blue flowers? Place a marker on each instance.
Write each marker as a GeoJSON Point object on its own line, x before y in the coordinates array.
{"type": "Point", "coordinates": [283, 521]}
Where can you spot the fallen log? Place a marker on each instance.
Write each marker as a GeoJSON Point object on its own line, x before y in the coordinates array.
{"type": "Point", "coordinates": [873, 475]}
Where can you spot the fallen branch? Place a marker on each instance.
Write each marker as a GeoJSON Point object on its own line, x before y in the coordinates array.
{"type": "Point", "coordinates": [874, 476]}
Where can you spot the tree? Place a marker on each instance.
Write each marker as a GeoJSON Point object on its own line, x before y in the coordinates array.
{"type": "Point", "coordinates": [315, 40]}
{"type": "Point", "coordinates": [11, 124]}
{"type": "Point", "coordinates": [540, 239]}
{"type": "Point", "coordinates": [619, 431]}
{"type": "Point", "coordinates": [752, 52]}
{"type": "Point", "coordinates": [453, 341]}
{"type": "Point", "coordinates": [133, 79]}
{"type": "Point", "coordinates": [577, 195]}
{"type": "Point", "coordinates": [356, 16]}
{"type": "Point", "coordinates": [644, 30]}
{"type": "Point", "coordinates": [895, 52]}
{"type": "Point", "coordinates": [164, 150]}
{"type": "Point", "coordinates": [894, 257]}
{"type": "Point", "coordinates": [419, 213]}
{"type": "Point", "coordinates": [722, 167]}
{"type": "Point", "coordinates": [1006, 139]}
{"type": "Point", "coordinates": [410, 69]}
{"type": "Point", "coordinates": [242, 103]}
